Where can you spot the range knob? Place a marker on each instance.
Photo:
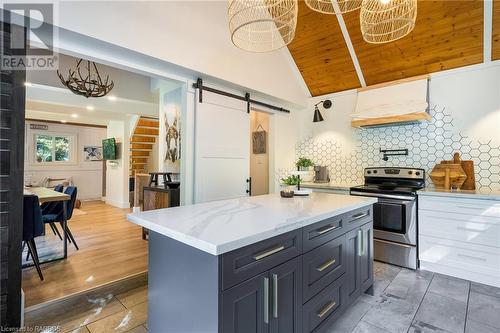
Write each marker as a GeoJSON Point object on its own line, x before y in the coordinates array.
{"type": "Point", "coordinates": [368, 172]}
{"type": "Point", "coordinates": [417, 173]}
{"type": "Point", "coordinates": [410, 172]}
{"type": "Point", "coordinates": [374, 171]}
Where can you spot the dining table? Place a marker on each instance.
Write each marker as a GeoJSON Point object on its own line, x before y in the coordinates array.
{"type": "Point", "coordinates": [44, 195]}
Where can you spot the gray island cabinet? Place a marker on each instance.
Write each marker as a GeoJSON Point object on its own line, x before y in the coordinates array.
{"type": "Point", "coordinates": [259, 264]}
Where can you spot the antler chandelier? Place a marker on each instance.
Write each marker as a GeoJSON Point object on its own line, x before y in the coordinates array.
{"type": "Point", "coordinates": [85, 80]}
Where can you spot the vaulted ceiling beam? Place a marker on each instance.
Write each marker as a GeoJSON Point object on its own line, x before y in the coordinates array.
{"type": "Point", "coordinates": [488, 30]}
{"type": "Point", "coordinates": [348, 42]}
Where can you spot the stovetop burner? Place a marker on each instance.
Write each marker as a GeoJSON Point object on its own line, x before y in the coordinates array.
{"type": "Point", "coordinates": [402, 181]}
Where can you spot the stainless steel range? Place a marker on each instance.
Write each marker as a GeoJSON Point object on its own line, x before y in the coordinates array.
{"type": "Point", "coordinates": [395, 213]}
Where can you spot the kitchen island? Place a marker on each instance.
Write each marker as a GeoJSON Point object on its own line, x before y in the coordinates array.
{"type": "Point", "coordinates": [257, 264]}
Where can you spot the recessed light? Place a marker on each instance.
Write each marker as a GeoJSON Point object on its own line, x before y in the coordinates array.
{"type": "Point", "coordinates": [74, 115]}
{"type": "Point", "coordinates": [63, 121]}
{"type": "Point", "coordinates": [90, 107]}
{"type": "Point", "coordinates": [28, 84]}
{"type": "Point", "coordinates": [112, 98]}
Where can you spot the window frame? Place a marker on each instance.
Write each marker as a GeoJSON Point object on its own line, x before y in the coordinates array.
{"type": "Point", "coordinates": [72, 154]}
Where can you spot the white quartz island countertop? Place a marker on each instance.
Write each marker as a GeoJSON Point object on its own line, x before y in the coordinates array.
{"type": "Point", "coordinates": [221, 226]}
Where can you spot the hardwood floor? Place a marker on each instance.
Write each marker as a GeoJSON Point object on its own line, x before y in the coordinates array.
{"type": "Point", "coordinates": [111, 248]}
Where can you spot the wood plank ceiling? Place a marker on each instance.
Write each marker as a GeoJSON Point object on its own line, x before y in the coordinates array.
{"type": "Point", "coordinates": [448, 34]}
{"type": "Point", "coordinates": [495, 47]}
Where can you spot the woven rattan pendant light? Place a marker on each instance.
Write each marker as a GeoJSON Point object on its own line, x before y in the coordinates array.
{"type": "Point", "coordinates": [327, 7]}
{"type": "Point", "coordinates": [384, 21]}
{"type": "Point", "coordinates": [262, 25]}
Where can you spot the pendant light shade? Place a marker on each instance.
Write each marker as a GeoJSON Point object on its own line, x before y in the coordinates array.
{"type": "Point", "coordinates": [327, 7]}
{"type": "Point", "coordinates": [384, 21]}
{"type": "Point", "coordinates": [262, 25]}
{"type": "Point", "coordinates": [317, 115]}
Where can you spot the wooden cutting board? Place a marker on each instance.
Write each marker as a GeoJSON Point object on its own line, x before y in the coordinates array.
{"type": "Point", "coordinates": [468, 167]}
{"type": "Point", "coordinates": [448, 175]}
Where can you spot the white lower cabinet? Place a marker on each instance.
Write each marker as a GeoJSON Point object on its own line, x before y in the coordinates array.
{"type": "Point", "coordinates": [460, 237]}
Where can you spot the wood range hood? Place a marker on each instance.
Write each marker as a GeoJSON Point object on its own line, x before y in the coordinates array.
{"type": "Point", "coordinates": [392, 103]}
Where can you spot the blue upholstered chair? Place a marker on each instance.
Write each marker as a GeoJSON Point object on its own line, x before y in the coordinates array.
{"type": "Point", "coordinates": [57, 214]}
{"type": "Point", "coordinates": [49, 207]}
{"type": "Point", "coordinates": [32, 227]}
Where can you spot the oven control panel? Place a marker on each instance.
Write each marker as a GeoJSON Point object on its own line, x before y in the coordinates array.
{"type": "Point", "coordinates": [402, 173]}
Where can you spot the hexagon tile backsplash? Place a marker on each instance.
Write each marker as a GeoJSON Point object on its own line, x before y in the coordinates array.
{"type": "Point", "coordinates": [428, 143]}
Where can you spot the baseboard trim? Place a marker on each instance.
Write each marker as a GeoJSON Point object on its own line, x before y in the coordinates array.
{"type": "Point", "coordinates": [114, 287]}
{"type": "Point", "coordinates": [118, 204]}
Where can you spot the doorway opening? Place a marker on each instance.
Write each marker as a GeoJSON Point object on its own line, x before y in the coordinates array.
{"type": "Point", "coordinates": [259, 152]}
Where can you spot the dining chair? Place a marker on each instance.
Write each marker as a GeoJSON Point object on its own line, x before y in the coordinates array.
{"type": "Point", "coordinates": [32, 227]}
{"type": "Point", "coordinates": [57, 214]}
{"type": "Point", "coordinates": [49, 207]}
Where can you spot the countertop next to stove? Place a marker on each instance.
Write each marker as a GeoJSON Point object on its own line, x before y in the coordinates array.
{"type": "Point", "coordinates": [476, 194]}
{"type": "Point", "coordinates": [330, 186]}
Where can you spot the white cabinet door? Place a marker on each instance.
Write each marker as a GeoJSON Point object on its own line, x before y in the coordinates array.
{"type": "Point", "coordinates": [222, 158]}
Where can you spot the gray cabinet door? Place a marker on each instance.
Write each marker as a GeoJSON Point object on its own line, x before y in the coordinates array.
{"type": "Point", "coordinates": [243, 306]}
{"type": "Point", "coordinates": [359, 248]}
{"type": "Point", "coordinates": [353, 242]}
{"type": "Point", "coordinates": [366, 258]}
{"type": "Point", "coordinates": [286, 297]}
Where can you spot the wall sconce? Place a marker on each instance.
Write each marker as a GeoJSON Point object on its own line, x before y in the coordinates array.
{"type": "Point", "coordinates": [317, 114]}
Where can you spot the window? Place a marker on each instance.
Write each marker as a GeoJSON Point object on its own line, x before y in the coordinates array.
{"type": "Point", "coordinates": [52, 148]}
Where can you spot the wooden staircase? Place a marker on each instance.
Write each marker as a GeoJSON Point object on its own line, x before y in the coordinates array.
{"type": "Point", "coordinates": [141, 144]}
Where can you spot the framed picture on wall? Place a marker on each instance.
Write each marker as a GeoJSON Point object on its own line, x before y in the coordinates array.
{"type": "Point", "coordinates": [259, 141]}
{"type": "Point", "coordinates": [92, 153]}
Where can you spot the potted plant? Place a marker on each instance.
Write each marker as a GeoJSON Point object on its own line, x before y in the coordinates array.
{"type": "Point", "coordinates": [288, 185]}
{"type": "Point", "coordinates": [304, 164]}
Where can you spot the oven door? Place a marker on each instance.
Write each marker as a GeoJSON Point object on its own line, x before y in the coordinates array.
{"type": "Point", "coordinates": [394, 220]}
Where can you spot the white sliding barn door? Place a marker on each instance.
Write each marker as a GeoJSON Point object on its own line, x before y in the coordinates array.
{"type": "Point", "coordinates": [222, 158]}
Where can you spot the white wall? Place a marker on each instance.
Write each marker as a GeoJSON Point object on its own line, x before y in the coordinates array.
{"type": "Point", "coordinates": [87, 176]}
{"type": "Point", "coordinates": [117, 176]}
{"type": "Point", "coordinates": [192, 34]}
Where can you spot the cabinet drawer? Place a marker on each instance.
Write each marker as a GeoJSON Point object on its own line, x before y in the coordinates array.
{"type": "Point", "coordinates": [478, 229]}
{"type": "Point", "coordinates": [357, 217]}
{"type": "Point", "coordinates": [326, 306]}
{"type": "Point", "coordinates": [242, 264]}
{"type": "Point", "coordinates": [477, 207]}
{"type": "Point", "coordinates": [322, 232]}
{"type": "Point", "coordinates": [465, 257]}
{"type": "Point", "coordinates": [322, 266]}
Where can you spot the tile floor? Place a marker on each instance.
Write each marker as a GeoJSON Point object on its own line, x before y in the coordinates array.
{"type": "Point", "coordinates": [420, 301]}
{"type": "Point", "coordinates": [403, 301]}
{"type": "Point", "coordinates": [124, 312]}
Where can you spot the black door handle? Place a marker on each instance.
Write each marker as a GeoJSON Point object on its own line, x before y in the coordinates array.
{"type": "Point", "coordinates": [249, 187]}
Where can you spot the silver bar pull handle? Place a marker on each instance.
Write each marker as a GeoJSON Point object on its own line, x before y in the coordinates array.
{"type": "Point", "coordinates": [266, 300]}
{"type": "Point", "coordinates": [326, 229]}
{"type": "Point", "coordinates": [275, 295]}
{"type": "Point", "coordinates": [325, 265]}
{"type": "Point", "coordinates": [360, 242]}
{"type": "Point", "coordinates": [326, 309]}
{"type": "Point", "coordinates": [359, 216]}
{"type": "Point", "coordinates": [269, 252]}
